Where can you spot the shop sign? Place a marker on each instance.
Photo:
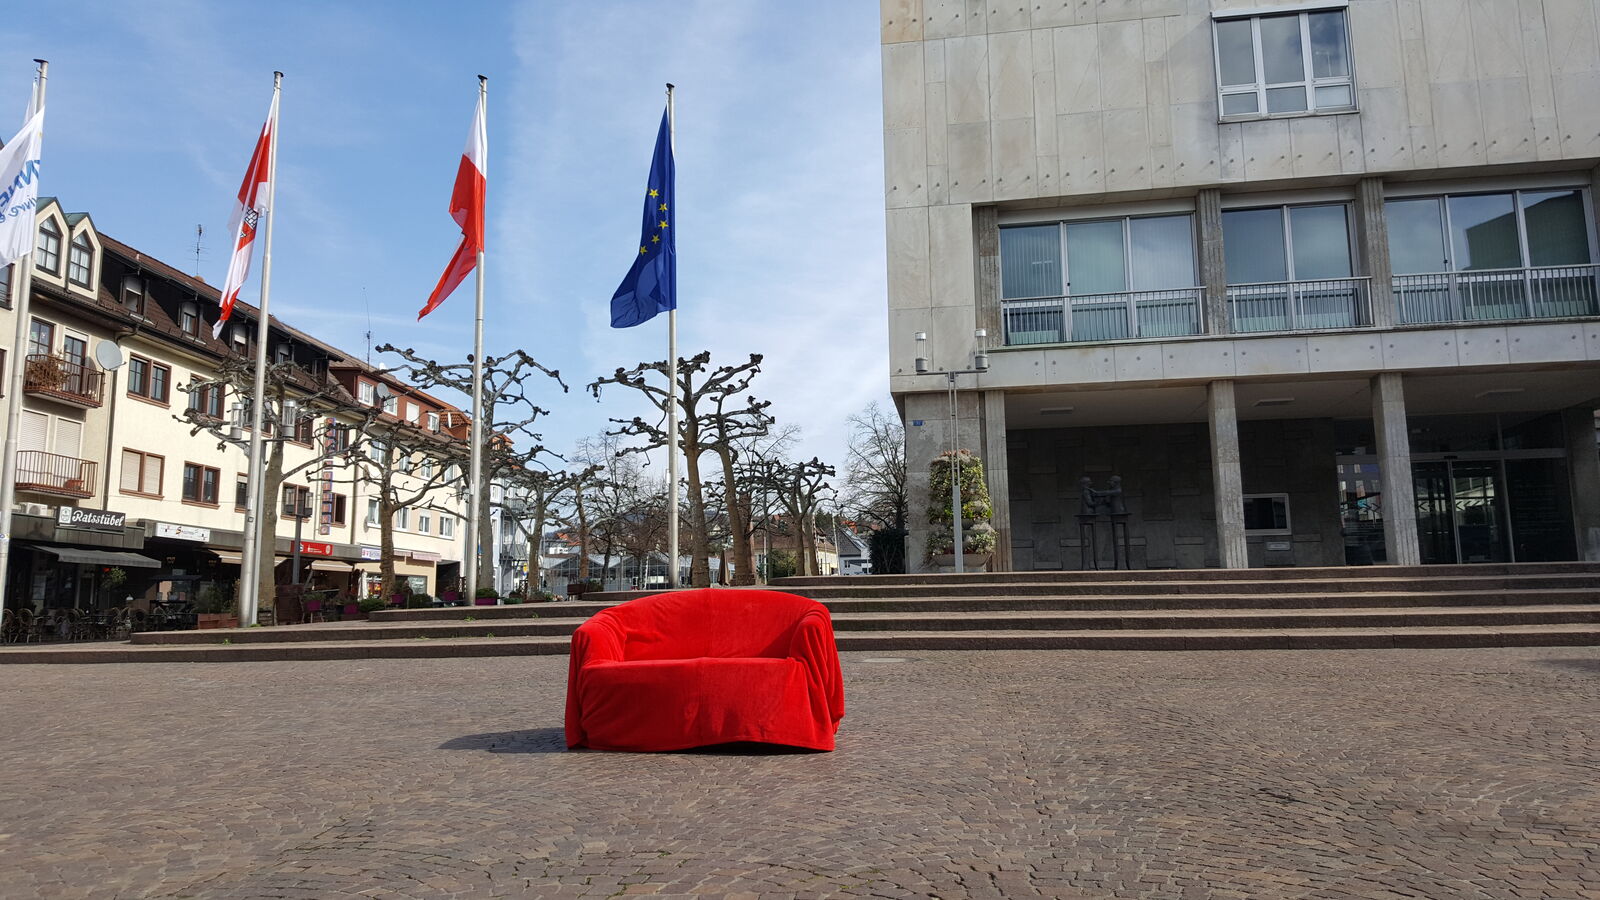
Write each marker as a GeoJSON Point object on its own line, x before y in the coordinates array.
{"type": "Point", "coordinates": [183, 532]}
{"type": "Point", "coordinates": [423, 556]}
{"type": "Point", "coordinates": [316, 548]}
{"type": "Point", "coordinates": [373, 553]}
{"type": "Point", "coordinates": [95, 519]}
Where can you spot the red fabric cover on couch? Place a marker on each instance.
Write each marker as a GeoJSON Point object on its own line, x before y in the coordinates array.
{"type": "Point", "coordinates": [693, 668]}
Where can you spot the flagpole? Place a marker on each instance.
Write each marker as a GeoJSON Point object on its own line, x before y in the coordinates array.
{"type": "Point", "coordinates": [475, 504]}
{"type": "Point", "coordinates": [250, 578]}
{"type": "Point", "coordinates": [21, 291]}
{"type": "Point", "coordinates": [672, 380]}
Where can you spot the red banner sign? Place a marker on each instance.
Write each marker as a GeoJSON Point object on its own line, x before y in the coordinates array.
{"type": "Point", "coordinates": [316, 548]}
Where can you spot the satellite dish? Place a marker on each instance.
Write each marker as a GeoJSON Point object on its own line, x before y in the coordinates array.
{"type": "Point", "coordinates": [108, 355]}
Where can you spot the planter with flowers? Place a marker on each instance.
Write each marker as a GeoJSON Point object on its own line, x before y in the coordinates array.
{"type": "Point", "coordinates": [977, 535]}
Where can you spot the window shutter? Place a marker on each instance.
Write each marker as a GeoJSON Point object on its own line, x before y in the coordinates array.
{"type": "Point", "coordinates": [69, 437]}
{"type": "Point", "coordinates": [130, 470]}
{"type": "Point", "coordinates": [152, 474]}
{"type": "Point", "coordinates": [35, 433]}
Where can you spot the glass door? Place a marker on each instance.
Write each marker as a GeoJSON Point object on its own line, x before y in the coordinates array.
{"type": "Point", "coordinates": [1435, 524]}
{"type": "Point", "coordinates": [1461, 512]}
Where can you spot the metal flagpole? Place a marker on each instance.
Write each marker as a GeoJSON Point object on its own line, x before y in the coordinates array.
{"type": "Point", "coordinates": [255, 545]}
{"type": "Point", "coordinates": [672, 380]}
{"type": "Point", "coordinates": [475, 504]}
{"type": "Point", "coordinates": [21, 290]}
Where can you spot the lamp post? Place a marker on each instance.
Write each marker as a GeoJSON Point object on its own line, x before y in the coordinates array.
{"type": "Point", "coordinates": [980, 364]}
{"type": "Point", "coordinates": [301, 510]}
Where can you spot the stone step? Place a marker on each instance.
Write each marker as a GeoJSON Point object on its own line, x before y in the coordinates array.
{"type": "Point", "coordinates": [880, 642]}
{"type": "Point", "coordinates": [874, 589]}
{"type": "Point", "coordinates": [962, 622]}
{"type": "Point", "coordinates": [1258, 574]}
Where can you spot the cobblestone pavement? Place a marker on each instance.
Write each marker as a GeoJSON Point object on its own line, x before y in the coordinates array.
{"type": "Point", "coordinates": [1372, 774]}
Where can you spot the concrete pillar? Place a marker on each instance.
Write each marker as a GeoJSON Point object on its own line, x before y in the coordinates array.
{"type": "Point", "coordinates": [1394, 463]}
{"type": "Point", "coordinates": [1583, 468]}
{"type": "Point", "coordinates": [999, 479]}
{"type": "Point", "coordinates": [986, 272]}
{"type": "Point", "coordinates": [924, 443]}
{"type": "Point", "coordinates": [1372, 239]}
{"type": "Point", "coordinates": [1213, 264]}
{"type": "Point", "coordinates": [1227, 482]}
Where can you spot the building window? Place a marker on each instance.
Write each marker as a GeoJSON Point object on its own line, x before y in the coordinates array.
{"type": "Point", "coordinates": [339, 510]}
{"type": "Point", "coordinates": [423, 523]}
{"type": "Point", "coordinates": [41, 337]}
{"type": "Point", "coordinates": [378, 451]}
{"type": "Point", "coordinates": [47, 255]}
{"type": "Point", "coordinates": [206, 400]}
{"type": "Point", "coordinates": [1284, 64]}
{"type": "Point", "coordinates": [433, 422]}
{"type": "Point", "coordinates": [1287, 243]}
{"type": "Point", "coordinates": [427, 468]}
{"type": "Point", "coordinates": [341, 436]}
{"type": "Point", "coordinates": [390, 404]}
{"type": "Point", "coordinates": [447, 526]}
{"type": "Point", "coordinates": [296, 499]}
{"type": "Point", "coordinates": [407, 464]}
{"type": "Point", "coordinates": [5, 285]}
{"type": "Point", "coordinates": [148, 379]}
{"type": "Point", "coordinates": [80, 257]}
{"type": "Point", "coordinates": [402, 519]}
{"type": "Point", "coordinates": [133, 294]}
{"type": "Point", "coordinates": [200, 484]}
{"type": "Point", "coordinates": [241, 492]}
{"type": "Point", "coordinates": [372, 513]}
{"type": "Point", "coordinates": [189, 319]}
{"type": "Point", "coordinates": [365, 393]}
{"type": "Point", "coordinates": [75, 350]}
{"type": "Point", "coordinates": [141, 473]}
{"type": "Point", "coordinates": [304, 428]}
{"type": "Point", "coordinates": [1266, 513]}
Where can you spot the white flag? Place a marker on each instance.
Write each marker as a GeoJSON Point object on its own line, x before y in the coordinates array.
{"type": "Point", "coordinates": [19, 189]}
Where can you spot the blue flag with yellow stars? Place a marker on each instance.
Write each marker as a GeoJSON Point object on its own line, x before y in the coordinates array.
{"type": "Point", "coordinates": [651, 286]}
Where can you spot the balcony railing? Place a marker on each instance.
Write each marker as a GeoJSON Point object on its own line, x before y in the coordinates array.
{"type": "Point", "coordinates": [62, 379]}
{"type": "Point", "coordinates": [1102, 317]}
{"type": "Point", "coordinates": [1498, 294]}
{"type": "Point", "coordinates": [1299, 305]}
{"type": "Point", "coordinates": [50, 473]}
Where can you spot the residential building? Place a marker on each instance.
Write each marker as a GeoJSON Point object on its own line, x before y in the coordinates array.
{"type": "Point", "coordinates": [1317, 280]}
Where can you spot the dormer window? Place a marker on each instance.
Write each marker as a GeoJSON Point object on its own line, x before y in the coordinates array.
{"type": "Point", "coordinates": [280, 354]}
{"type": "Point", "coordinates": [390, 404]}
{"type": "Point", "coordinates": [365, 393]}
{"type": "Point", "coordinates": [47, 256]}
{"type": "Point", "coordinates": [241, 338]}
{"type": "Point", "coordinates": [189, 318]}
{"type": "Point", "coordinates": [133, 294]}
{"type": "Point", "coordinates": [5, 285]}
{"type": "Point", "coordinates": [433, 421]}
{"type": "Point", "coordinates": [80, 260]}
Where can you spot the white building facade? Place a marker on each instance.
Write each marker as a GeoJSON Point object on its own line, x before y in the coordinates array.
{"type": "Point", "coordinates": [1316, 281]}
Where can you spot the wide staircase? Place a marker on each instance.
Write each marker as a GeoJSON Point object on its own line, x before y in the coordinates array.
{"type": "Point", "coordinates": [1536, 604]}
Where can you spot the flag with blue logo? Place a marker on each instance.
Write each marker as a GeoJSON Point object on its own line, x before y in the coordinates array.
{"type": "Point", "coordinates": [651, 286]}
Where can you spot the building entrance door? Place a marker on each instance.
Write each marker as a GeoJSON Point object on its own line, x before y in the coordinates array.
{"type": "Point", "coordinates": [1461, 512]}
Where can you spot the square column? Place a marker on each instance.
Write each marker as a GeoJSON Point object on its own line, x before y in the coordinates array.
{"type": "Point", "coordinates": [998, 477]}
{"type": "Point", "coordinates": [1213, 263]}
{"type": "Point", "coordinates": [1227, 483]}
{"type": "Point", "coordinates": [1583, 467]}
{"type": "Point", "coordinates": [1372, 234]}
{"type": "Point", "coordinates": [1394, 462]}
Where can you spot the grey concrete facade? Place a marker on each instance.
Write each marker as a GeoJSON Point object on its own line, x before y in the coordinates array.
{"type": "Point", "coordinates": [1001, 116]}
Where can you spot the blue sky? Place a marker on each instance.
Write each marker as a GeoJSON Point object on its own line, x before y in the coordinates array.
{"type": "Point", "coordinates": [154, 106]}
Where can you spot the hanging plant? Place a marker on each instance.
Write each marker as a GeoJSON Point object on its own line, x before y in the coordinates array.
{"type": "Point", "coordinates": [975, 506]}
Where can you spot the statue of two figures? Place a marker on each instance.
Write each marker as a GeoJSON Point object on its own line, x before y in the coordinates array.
{"type": "Point", "coordinates": [1095, 503]}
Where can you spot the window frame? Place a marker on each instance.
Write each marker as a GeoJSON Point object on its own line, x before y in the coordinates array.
{"type": "Point", "coordinates": [144, 388]}
{"type": "Point", "coordinates": [1126, 221]}
{"type": "Point", "coordinates": [132, 295]}
{"type": "Point", "coordinates": [340, 512]}
{"type": "Point", "coordinates": [144, 459]}
{"type": "Point", "coordinates": [48, 231]}
{"type": "Point", "coordinates": [8, 280]}
{"type": "Point", "coordinates": [199, 396]}
{"type": "Point", "coordinates": [1310, 82]}
{"type": "Point", "coordinates": [241, 481]}
{"type": "Point", "coordinates": [1286, 223]}
{"type": "Point", "coordinates": [189, 318]}
{"type": "Point", "coordinates": [201, 470]}
{"type": "Point", "coordinates": [374, 512]}
{"type": "Point", "coordinates": [86, 247]}
{"type": "Point", "coordinates": [366, 393]}
{"type": "Point", "coordinates": [50, 337]}
{"type": "Point", "coordinates": [1519, 210]}
{"type": "Point", "coordinates": [1288, 517]}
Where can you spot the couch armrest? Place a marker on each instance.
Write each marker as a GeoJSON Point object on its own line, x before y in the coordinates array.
{"type": "Point", "coordinates": [812, 645]}
{"type": "Point", "coordinates": [596, 640]}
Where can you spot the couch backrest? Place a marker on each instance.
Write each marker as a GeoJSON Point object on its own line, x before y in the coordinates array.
{"type": "Point", "coordinates": [720, 622]}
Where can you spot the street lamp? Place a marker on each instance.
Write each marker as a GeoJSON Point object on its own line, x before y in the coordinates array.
{"type": "Point", "coordinates": [300, 508]}
{"type": "Point", "coordinates": [980, 364]}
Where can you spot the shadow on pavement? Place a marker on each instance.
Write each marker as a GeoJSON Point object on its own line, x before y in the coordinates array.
{"type": "Point", "coordinates": [534, 740]}
{"type": "Point", "coordinates": [1582, 665]}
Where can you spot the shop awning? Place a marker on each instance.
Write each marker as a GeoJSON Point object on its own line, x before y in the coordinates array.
{"type": "Point", "coordinates": [100, 557]}
{"type": "Point", "coordinates": [330, 565]}
{"type": "Point", "coordinates": [229, 557]}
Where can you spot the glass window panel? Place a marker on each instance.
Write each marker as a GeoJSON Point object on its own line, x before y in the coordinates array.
{"type": "Point", "coordinates": [1030, 261]}
{"type": "Point", "coordinates": [1416, 236]}
{"type": "Point", "coordinates": [1321, 242]}
{"type": "Point", "coordinates": [1290, 99]}
{"type": "Point", "coordinates": [1252, 241]}
{"type": "Point", "coordinates": [1236, 53]}
{"type": "Point", "coordinates": [1280, 50]}
{"type": "Point", "coordinates": [1330, 57]}
{"type": "Point", "coordinates": [1333, 96]}
{"type": "Point", "coordinates": [1558, 234]}
{"type": "Point", "coordinates": [1483, 232]}
{"type": "Point", "coordinates": [1162, 252]}
{"type": "Point", "coordinates": [1238, 104]}
{"type": "Point", "coordinates": [1095, 263]}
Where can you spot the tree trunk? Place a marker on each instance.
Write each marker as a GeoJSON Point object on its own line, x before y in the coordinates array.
{"type": "Point", "coordinates": [386, 576]}
{"type": "Point", "coordinates": [808, 545]}
{"type": "Point", "coordinates": [743, 573]}
{"type": "Point", "coordinates": [536, 550]}
{"type": "Point", "coordinates": [583, 534]}
{"type": "Point", "coordinates": [699, 564]}
{"type": "Point", "coordinates": [267, 530]}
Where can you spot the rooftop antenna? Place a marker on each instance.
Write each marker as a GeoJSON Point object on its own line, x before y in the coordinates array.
{"type": "Point", "coordinates": [199, 248]}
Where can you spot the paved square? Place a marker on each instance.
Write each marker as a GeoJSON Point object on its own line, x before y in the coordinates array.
{"type": "Point", "coordinates": [1373, 774]}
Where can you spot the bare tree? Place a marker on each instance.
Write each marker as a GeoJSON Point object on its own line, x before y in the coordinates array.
{"type": "Point", "coordinates": [709, 420]}
{"type": "Point", "coordinates": [875, 469]}
{"type": "Point", "coordinates": [407, 467]}
{"type": "Point", "coordinates": [800, 487]}
{"type": "Point", "coordinates": [509, 418]}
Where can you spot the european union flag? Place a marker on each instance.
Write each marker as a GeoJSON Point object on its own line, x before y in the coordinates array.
{"type": "Point", "coordinates": [651, 286]}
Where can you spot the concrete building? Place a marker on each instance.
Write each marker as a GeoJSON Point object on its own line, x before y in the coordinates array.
{"type": "Point", "coordinates": [1316, 279]}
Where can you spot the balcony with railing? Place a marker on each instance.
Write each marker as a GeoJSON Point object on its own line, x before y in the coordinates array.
{"type": "Point", "coordinates": [1091, 318]}
{"type": "Point", "coordinates": [51, 473]}
{"type": "Point", "coordinates": [1322, 305]}
{"type": "Point", "coordinates": [1477, 295]}
{"type": "Point", "coordinates": [62, 379]}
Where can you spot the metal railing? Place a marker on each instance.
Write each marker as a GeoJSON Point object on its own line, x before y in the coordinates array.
{"type": "Point", "coordinates": [52, 473]}
{"type": "Point", "coordinates": [1320, 305]}
{"type": "Point", "coordinates": [62, 379]}
{"type": "Point", "coordinates": [1540, 292]}
{"type": "Point", "coordinates": [1102, 317]}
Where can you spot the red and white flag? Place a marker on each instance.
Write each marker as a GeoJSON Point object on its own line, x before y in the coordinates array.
{"type": "Point", "coordinates": [466, 207]}
{"type": "Point", "coordinates": [251, 207]}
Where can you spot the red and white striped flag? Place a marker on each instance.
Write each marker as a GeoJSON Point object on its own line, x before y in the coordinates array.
{"type": "Point", "coordinates": [466, 207]}
{"type": "Point", "coordinates": [252, 205]}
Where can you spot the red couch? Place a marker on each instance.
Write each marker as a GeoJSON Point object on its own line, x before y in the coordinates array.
{"type": "Point", "coordinates": [693, 668]}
